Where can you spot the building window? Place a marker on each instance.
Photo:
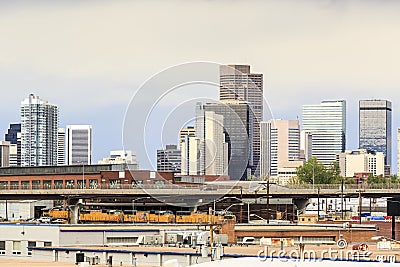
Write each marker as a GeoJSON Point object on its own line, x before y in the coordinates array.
{"type": "Point", "coordinates": [16, 248]}
{"type": "Point", "coordinates": [14, 185]}
{"type": "Point", "coordinates": [47, 184]}
{"type": "Point", "coordinates": [2, 247]}
{"type": "Point", "coordinates": [36, 184]}
{"type": "Point", "coordinates": [31, 244]}
{"type": "Point", "coordinates": [47, 244]}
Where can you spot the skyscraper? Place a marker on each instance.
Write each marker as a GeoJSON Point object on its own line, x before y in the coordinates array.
{"type": "Point", "coordinates": [61, 146]}
{"type": "Point", "coordinates": [205, 153]}
{"type": "Point", "coordinates": [376, 127]}
{"type": "Point", "coordinates": [238, 130]}
{"type": "Point", "coordinates": [13, 136]}
{"type": "Point", "coordinates": [169, 159]}
{"type": "Point", "coordinates": [39, 125]}
{"type": "Point", "coordinates": [238, 83]}
{"type": "Point", "coordinates": [280, 144]}
{"type": "Point", "coordinates": [4, 154]}
{"type": "Point", "coordinates": [79, 144]}
{"type": "Point", "coordinates": [326, 122]}
{"type": "Point", "coordinates": [213, 150]}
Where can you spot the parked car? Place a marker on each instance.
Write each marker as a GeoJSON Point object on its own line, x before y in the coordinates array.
{"type": "Point", "coordinates": [45, 219]}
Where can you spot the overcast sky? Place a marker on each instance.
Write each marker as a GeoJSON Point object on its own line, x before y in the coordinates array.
{"type": "Point", "coordinates": [89, 57]}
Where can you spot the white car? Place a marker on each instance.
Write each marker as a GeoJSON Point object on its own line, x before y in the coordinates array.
{"type": "Point", "coordinates": [45, 219]}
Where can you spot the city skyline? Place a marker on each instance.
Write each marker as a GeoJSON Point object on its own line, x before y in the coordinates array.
{"type": "Point", "coordinates": [329, 50]}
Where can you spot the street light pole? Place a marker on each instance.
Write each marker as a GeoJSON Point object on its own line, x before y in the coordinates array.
{"type": "Point", "coordinates": [268, 200]}
{"type": "Point", "coordinates": [133, 207]}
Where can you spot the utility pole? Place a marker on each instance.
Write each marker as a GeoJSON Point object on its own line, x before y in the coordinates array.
{"type": "Point", "coordinates": [268, 200]}
{"type": "Point", "coordinates": [359, 206]}
{"type": "Point", "coordinates": [341, 202]}
{"type": "Point", "coordinates": [318, 204]}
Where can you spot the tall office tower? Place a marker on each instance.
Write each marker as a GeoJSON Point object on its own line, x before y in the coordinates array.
{"type": "Point", "coordinates": [305, 145]}
{"type": "Point", "coordinates": [280, 144]}
{"type": "Point", "coordinates": [61, 147]}
{"type": "Point", "coordinates": [190, 155]}
{"type": "Point", "coordinates": [376, 127]}
{"type": "Point", "coordinates": [238, 129]}
{"type": "Point", "coordinates": [188, 131]}
{"type": "Point", "coordinates": [4, 154]}
{"type": "Point", "coordinates": [326, 123]}
{"type": "Point", "coordinates": [213, 150]}
{"type": "Point", "coordinates": [13, 136]}
{"type": "Point", "coordinates": [79, 144]}
{"type": "Point", "coordinates": [169, 159]}
{"type": "Point", "coordinates": [39, 126]}
{"type": "Point", "coordinates": [238, 83]}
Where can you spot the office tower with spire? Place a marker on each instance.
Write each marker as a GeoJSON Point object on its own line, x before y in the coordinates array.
{"type": "Point", "coordinates": [376, 127]}
{"type": "Point", "coordinates": [39, 127]}
{"type": "Point", "coordinates": [326, 123]}
{"type": "Point", "coordinates": [238, 83]}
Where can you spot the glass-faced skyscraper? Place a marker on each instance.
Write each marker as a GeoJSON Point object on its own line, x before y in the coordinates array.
{"type": "Point", "coordinates": [326, 122]}
{"type": "Point", "coordinates": [376, 127]}
{"type": "Point", "coordinates": [238, 130]}
{"type": "Point", "coordinates": [39, 127]}
{"type": "Point", "coordinates": [238, 83]}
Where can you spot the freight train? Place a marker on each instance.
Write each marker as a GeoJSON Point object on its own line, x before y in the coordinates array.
{"type": "Point", "coordinates": [114, 216]}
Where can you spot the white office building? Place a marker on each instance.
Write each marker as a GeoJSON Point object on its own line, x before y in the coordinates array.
{"type": "Point", "coordinates": [122, 157]}
{"type": "Point", "coordinates": [79, 144]}
{"type": "Point", "coordinates": [61, 146]}
{"type": "Point", "coordinates": [280, 145]}
{"type": "Point", "coordinates": [361, 161]}
{"type": "Point", "coordinates": [326, 122]}
{"type": "Point", "coordinates": [39, 126]}
{"type": "Point", "coordinates": [211, 157]}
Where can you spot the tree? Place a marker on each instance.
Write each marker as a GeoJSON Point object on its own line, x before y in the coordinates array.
{"type": "Point", "coordinates": [374, 179]}
{"type": "Point", "coordinates": [315, 172]}
{"type": "Point", "coordinates": [394, 179]}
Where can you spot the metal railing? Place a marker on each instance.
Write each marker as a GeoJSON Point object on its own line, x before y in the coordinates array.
{"type": "Point", "coordinates": [387, 186]}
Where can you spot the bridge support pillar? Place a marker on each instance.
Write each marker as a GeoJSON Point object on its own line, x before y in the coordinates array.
{"type": "Point", "coordinates": [301, 204]}
{"type": "Point", "coordinates": [74, 210]}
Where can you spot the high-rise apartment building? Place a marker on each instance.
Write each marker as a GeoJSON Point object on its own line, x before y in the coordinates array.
{"type": "Point", "coordinates": [79, 144]}
{"type": "Point", "coordinates": [13, 136]}
{"type": "Point", "coordinates": [4, 154]}
{"type": "Point", "coordinates": [169, 159]}
{"type": "Point", "coordinates": [39, 126]}
{"type": "Point", "coordinates": [238, 130]}
{"type": "Point", "coordinates": [326, 122]}
{"type": "Point", "coordinates": [61, 147]}
{"type": "Point", "coordinates": [238, 83]}
{"type": "Point", "coordinates": [280, 144]}
{"type": "Point", "coordinates": [376, 127]}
